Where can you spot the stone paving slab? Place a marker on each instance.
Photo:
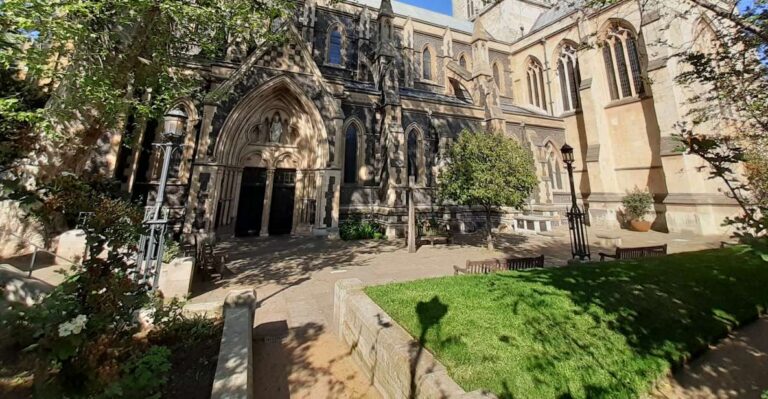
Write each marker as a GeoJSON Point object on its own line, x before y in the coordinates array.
{"type": "Point", "coordinates": [736, 368]}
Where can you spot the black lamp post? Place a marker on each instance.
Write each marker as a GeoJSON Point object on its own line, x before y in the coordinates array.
{"type": "Point", "coordinates": [576, 218]}
{"type": "Point", "coordinates": [152, 245]}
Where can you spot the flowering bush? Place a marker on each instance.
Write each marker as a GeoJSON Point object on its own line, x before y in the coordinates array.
{"type": "Point", "coordinates": [84, 334]}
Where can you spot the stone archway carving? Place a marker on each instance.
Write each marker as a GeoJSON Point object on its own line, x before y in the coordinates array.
{"type": "Point", "coordinates": [277, 127]}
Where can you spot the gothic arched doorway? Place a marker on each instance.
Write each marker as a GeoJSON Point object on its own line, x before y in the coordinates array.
{"type": "Point", "coordinates": [276, 146]}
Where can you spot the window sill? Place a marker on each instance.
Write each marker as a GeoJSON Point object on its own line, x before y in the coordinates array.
{"type": "Point", "coordinates": [627, 100]}
{"type": "Point", "coordinates": [571, 113]}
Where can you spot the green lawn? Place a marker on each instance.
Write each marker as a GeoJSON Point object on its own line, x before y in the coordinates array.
{"type": "Point", "coordinates": [606, 330]}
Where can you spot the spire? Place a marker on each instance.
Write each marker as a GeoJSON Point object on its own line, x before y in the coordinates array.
{"type": "Point", "coordinates": [480, 33]}
{"type": "Point", "coordinates": [386, 9]}
{"type": "Point", "coordinates": [386, 29]}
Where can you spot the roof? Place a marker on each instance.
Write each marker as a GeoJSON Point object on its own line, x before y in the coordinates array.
{"type": "Point", "coordinates": [556, 13]}
{"type": "Point", "coordinates": [421, 14]}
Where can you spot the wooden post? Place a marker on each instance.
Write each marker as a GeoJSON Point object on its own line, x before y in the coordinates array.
{"type": "Point", "coordinates": [411, 216]}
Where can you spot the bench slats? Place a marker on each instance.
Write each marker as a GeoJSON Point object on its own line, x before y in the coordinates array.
{"type": "Point", "coordinates": [636, 253]}
{"type": "Point", "coordinates": [498, 265]}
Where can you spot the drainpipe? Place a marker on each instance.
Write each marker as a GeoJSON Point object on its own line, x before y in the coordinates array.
{"type": "Point", "coordinates": [549, 81]}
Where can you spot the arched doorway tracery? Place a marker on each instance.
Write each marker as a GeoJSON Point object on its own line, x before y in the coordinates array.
{"type": "Point", "coordinates": [276, 143]}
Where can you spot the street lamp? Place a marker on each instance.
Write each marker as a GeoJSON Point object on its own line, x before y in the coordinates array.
{"type": "Point", "coordinates": [576, 218]}
{"type": "Point", "coordinates": [152, 245]}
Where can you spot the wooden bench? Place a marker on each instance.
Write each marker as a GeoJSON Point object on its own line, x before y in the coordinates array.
{"type": "Point", "coordinates": [636, 253]}
{"type": "Point", "coordinates": [440, 234]}
{"type": "Point", "coordinates": [499, 265]}
{"type": "Point", "coordinates": [208, 261]}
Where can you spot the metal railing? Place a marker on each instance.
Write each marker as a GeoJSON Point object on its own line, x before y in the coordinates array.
{"type": "Point", "coordinates": [37, 249]}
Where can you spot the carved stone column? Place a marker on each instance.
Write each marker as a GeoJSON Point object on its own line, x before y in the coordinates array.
{"type": "Point", "coordinates": [267, 203]}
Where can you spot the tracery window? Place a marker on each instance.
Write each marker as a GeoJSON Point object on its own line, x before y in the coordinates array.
{"type": "Point", "coordinates": [622, 63]}
{"type": "Point", "coordinates": [335, 45]}
{"type": "Point", "coordinates": [536, 90]}
{"type": "Point", "coordinates": [570, 77]}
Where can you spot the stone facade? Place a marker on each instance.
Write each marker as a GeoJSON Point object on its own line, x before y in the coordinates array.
{"type": "Point", "coordinates": [292, 138]}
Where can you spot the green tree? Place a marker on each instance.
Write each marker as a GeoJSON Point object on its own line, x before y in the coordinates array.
{"type": "Point", "coordinates": [99, 61]}
{"type": "Point", "coordinates": [489, 170]}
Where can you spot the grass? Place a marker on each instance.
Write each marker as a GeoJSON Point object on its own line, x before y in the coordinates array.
{"type": "Point", "coordinates": [607, 330]}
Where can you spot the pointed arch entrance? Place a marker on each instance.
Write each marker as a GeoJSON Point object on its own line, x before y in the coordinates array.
{"type": "Point", "coordinates": [275, 142]}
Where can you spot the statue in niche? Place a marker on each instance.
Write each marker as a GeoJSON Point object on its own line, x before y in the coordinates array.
{"type": "Point", "coordinates": [276, 129]}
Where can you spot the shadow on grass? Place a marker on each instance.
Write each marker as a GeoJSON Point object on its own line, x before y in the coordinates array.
{"type": "Point", "coordinates": [608, 330]}
{"type": "Point", "coordinates": [666, 310]}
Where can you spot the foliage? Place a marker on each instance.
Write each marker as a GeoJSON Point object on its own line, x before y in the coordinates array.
{"type": "Point", "coordinates": [608, 330]}
{"type": "Point", "coordinates": [84, 332]}
{"type": "Point", "coordinates": [172, 250]}
{"type": "Point", "coordinates": [637, 204]}
{"type": "Point", "coordinates": [357, 228]}
{"type": "Point", "coordinates": [106, 50]}
{"type": "Point", "coordinates": [175, 329]}
{"type": "Point", "coordinates": [144, 375]}
{"type": "Point", "coordinates": [489, 170]}
{"type": "Point", "coordinates": [75, 69]}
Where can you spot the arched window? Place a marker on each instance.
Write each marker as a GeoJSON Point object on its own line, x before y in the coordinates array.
{"type": "Point", "coordinates": [570, 77]}
{"type": "Point", "coordinates": [463, 61]}
{"type": "Point", "coordinates": [350, 154]}
{"type": "Point", "coordinates": [553, 168]}
{"type": "Point", "coordinates": [335, 45]}
{"type": "Point", "coordinates": [622, 63]}
{"type": "Point", "coordinates": [497, 75]}
{"type": "Point", "coordinates": [426, 64]}
{"type": "Point", "coordinates": [415, 151]}
{"type": "Point", "coordinates": [536, 90]}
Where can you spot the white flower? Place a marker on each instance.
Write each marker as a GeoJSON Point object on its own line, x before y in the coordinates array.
{"type": "Point", "coordinates": [74, 326]}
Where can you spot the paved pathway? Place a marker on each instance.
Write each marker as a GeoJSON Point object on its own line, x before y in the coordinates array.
{"type": "Point", "coordinates": [297, 355]}
{"type": "Point", "coordinates": [737, 368]}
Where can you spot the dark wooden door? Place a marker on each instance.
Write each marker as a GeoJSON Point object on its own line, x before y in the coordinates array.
{"type": "Point", "coordinates": [283, 197]}
{"type": "Point", "coordinates": [251, 206]}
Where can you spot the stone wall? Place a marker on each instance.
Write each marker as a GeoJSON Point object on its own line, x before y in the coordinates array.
{"type": "Point", "coordinates": [386, 353]}
{"type": "Point", "coordinates": [234, 369]}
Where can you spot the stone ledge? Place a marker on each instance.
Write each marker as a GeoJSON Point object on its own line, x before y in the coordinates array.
{"type": "Point", "coordinates": [386, 353]}
{"type": "Point", "coordinates": [234, 369]}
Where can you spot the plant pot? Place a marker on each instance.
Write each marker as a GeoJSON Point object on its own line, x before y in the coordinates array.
{"type": "Point", "coordinates": [642, 226]}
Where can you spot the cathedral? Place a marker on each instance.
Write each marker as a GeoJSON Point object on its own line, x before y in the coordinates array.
{"type": "Point", "coordinates": [362, 100]}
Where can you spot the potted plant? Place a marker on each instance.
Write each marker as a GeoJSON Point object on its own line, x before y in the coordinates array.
{"type": "Point", "coordinates": [637, 205]}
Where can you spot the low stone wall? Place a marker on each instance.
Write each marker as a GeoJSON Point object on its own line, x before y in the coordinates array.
{"type": "Point", "coordinates": [386, 353]}
{"type": "Point", "coordinates": [234, 369]}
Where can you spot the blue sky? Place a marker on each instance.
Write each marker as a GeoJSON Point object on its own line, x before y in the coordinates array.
{"type": "Point", "coordinates": [444, 6]}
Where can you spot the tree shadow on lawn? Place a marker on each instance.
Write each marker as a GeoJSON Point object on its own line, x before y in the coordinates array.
{"type": "Point", "coordinates": [664, 310]}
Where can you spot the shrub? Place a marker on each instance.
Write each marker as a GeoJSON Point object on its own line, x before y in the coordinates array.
{"type": "Point", "coordinates": [172, 250]}
{"type": "Point", "coordinates": [637, 204]}
{"type": "Point", "coordinates": [357, 228]}
{"type": "Point", "coordinates": [83, 335]}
